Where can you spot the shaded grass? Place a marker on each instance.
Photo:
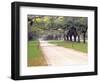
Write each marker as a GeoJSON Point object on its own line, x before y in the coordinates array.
{"type": "Point", "coordinates": [83, 47]}
{"type": "Point", "coordinates": [35, 55]}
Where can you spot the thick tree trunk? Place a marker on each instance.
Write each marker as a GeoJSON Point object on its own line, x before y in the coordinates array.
{"type": "Point", "coordinates": [67, 38]}
{"type": "Point", "coordinates": [70, 38]}
{"type": "Point", "coordinates": [84, 37]}
{"type": "Point", "coordinates": [64, 37]}
{"type": "Point", "coordinates": [74, 38]}
{"type": "Point", "coordinates": [78, 38]}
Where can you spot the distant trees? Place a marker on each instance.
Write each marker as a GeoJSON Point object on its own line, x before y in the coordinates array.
{"type": "Point", "coordinates": [57, 27]}
{"type": "Point", "coordinates": [80, 25]}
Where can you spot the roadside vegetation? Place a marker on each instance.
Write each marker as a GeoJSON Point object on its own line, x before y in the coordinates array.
{"type": "Point", "coordinates": [72, 45]}
{"type": "Point", "coordinates": [35, 54]}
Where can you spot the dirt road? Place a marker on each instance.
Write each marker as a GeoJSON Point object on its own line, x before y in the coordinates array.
{"type": "Point", "coordinates": [60, 56]}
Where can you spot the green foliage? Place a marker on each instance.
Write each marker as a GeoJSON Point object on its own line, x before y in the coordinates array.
{"type": "Point", "coordinates": [52, 24]}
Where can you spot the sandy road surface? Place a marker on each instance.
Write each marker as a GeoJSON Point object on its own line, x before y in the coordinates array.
{"type": "Point", "coordinates": [60, 56]}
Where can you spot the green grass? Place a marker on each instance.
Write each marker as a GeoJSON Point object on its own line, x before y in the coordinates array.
{"type": "Point", "coordinates": [33, 49]}
{"type": "Point", "coordinates": [35, 54]}
{"type": "Point", "coordinates": [73, 45]}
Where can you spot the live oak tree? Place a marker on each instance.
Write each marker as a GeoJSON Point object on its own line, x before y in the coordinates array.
{"type": "Point", "coordinates": [57, 27]}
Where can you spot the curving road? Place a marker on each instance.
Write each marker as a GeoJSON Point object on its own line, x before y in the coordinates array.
{"type": "Point", "coordinates": [60, 56]}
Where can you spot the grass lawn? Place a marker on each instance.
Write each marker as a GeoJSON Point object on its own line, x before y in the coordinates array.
{"type": "Point", "coordinates": [35, 55]}
{"type": "Point", "coordinates": [73, 45]}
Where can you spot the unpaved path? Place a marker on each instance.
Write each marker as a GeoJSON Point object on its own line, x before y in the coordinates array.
{"type": "Point", "coordinates": [60, 56]}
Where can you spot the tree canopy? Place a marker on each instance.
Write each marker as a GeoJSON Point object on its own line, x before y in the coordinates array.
{"type": "Point", "coordinates": [40, 25]}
